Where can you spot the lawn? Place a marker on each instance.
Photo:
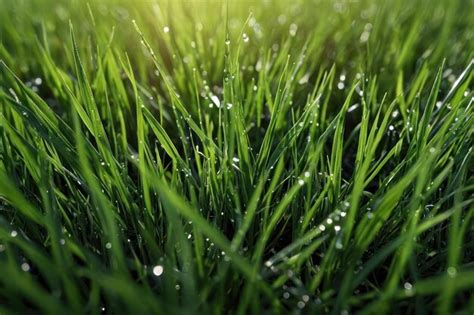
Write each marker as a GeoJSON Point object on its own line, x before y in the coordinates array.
{"type": "Point", "coordinates": [236, 157]}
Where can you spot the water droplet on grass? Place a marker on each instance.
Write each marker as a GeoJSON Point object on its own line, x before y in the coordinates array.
{"type": "Point", "coordinates": [452, 272]}
{"type": "Point", "coordinates": [364, 37]}
{"type": "Point", "coordinates": [353, 107]}
{"type": "Point", "coordinates": [304, 79]}
{"type": "Point", "coordinates": [293, 29]}
{"type": "Point", "coordinates": [25, 267]}
{"type": "Point", "coordinates": [216, 101]}
{"type": "Point", "coordinates": [281, 19]}
{"type": "Point", "coordinates": [158, 270]}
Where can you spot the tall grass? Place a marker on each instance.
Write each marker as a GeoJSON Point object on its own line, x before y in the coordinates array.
{"type": "Point", "coordinates": [236, 157]}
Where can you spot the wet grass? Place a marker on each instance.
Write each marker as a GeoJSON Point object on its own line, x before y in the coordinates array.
{"type": "Point", "coordinates": [236, 157]}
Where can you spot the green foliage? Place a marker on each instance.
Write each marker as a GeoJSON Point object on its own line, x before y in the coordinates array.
{"type": "Point", "coordinates": [236, 157]}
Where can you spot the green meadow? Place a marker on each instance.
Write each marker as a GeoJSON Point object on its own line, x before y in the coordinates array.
{"type": "Point", "coordinates": [236, 157]}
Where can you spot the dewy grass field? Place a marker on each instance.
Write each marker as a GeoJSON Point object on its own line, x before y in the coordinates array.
{"type": "Point", "coordinates": [221, 157]}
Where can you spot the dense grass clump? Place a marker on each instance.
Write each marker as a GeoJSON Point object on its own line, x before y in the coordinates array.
{"type": "Point", "coordinates": [244, 157]}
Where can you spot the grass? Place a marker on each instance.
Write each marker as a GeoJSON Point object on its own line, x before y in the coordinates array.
{"type": "Point", "coordinates": [236, 157]}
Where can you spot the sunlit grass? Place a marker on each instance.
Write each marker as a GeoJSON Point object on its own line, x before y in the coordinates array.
{"type": "Point", "coordinates": [236, 157]}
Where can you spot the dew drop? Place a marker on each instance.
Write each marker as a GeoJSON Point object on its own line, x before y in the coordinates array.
{"type": "Point", "coordinates": [158, 270]}
{"type": "Point", "coordinates": [25, 267]}
{"type": "Point", "coordinates": [216, 101]}
{"type": "Point", "coordinates": [452, 272]}
{"type": "Point", "coordinates": [281, 19]}
{"type": "Point", "coordinates": [353, 107]}
{"type": "Point", "coordinates": [364, 37]}
{"type": "Point", "coordinates": [304, 79]}
{"type": "Point", "coordinates": [293, 29]}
